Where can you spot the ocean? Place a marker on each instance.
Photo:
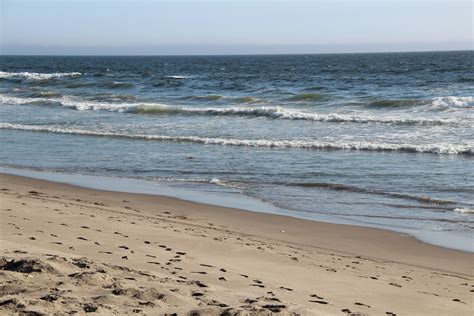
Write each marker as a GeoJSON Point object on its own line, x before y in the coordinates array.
{"type": "Point", "coordinates": [378, 140]}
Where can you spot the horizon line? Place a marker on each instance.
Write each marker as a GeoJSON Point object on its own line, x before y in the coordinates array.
{"type": "Point", "coordinates": [244, 54]}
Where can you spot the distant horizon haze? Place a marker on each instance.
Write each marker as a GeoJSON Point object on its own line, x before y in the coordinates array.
{"type": "Point", "coordinates": [219, 27]}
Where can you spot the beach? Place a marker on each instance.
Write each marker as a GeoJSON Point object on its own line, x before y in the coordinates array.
{"type": "Point", "coordinates": [67, 249]}
{"type": "Point", "coordinates": [376, 140]}
{"type": "Point", "coordinates": [236, 158]}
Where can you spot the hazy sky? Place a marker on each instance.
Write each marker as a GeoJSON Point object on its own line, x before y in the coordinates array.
{"type": "Point", "coordinates": [232, 26]}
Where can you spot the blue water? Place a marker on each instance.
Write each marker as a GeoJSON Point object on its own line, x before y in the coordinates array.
{"type": "Point", "coordinates": [380, 140]}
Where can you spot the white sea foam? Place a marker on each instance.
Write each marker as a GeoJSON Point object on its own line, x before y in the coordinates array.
{"type": "Point", "coordinates": [37, 75]}
{"type": "Point", "coordinates": [439, 148]}
{"type": "Point", "coordinates": [273, 112]}
{"type": "Point", "coordinates": [454, 102]}
{"type": "Point", "coordinates": [464, 210]}
{"type": "Point", "coordinates": [216, 181]}
{"type": "Point", "coordinates": [70, 102]}
{"type": "Point", "coordinates": [224, 183]}
{"type": "Point", "coordinates": [177, 77]}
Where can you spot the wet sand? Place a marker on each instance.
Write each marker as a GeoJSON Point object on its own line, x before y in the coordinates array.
{"type": "Point", "coordinates": [67, 249]}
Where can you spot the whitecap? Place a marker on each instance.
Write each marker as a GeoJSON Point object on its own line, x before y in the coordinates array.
{"type": "Point", "coordinates": [464, 210]}
{"type": "Point", "coordinates": [272, 112]}
{"type": "Point", "coordinates": [178, 77]}
{"type": "Point", "coordinates": [454, 102]}
{"type": "Point", "coordinates": [438, 148]}
{"type": "Point", "coordinates": [37, 75]}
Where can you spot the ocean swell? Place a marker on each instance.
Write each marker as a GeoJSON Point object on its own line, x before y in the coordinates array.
{"type": "Point", "coordinates": [271, 112]}
{"type": "Point", "coordinates": [307, 97]}
{"type": "Point", "coordinates": [440, 148]}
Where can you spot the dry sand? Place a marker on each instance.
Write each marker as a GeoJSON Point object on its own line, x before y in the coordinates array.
{"type": "Point", "coordinates": [68, 250]}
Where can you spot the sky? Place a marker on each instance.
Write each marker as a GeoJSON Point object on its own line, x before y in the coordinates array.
{"type": "Point", "coordinates": [195, 27]}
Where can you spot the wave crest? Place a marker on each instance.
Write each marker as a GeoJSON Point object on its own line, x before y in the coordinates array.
{"type": "Point", "coordinates": [464, 210]}
{"type": "Point", "coordinates": [210, 97]}
{"type": "Point", "coordinates": [272, 112]}
{"type": "Point", "coordinates": [395, 103]}
{"type": "Point", "coordinates": [441, 148]}
{"type": "Point", "coordinates": [117, 85]}
{"type": "Point", "coordinates": [307, 97]}
{"type": "Point", "coordinates": [37, 75]}
{"type": "Point", "coordinates": [454, 102]}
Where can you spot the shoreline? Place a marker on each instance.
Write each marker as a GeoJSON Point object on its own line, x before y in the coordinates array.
{"type": "Point", "coordinates": [344, 238]}
{"type": "Point", "coordinates": [228, 200]}
{"type": "Point", "coordinates": [350, 264]}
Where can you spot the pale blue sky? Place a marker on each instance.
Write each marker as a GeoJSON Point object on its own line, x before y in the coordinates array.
{"type": "Point", "coordinates": [232, 26]}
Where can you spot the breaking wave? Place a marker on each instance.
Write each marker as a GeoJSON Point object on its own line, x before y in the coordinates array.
{"type": "Point", "coordinates": [464, 210]}
{"type": "Point", "coordinates": [45, 94]}
{"type": "Point", "coordinates": [177, 77]}
{"type": "Point", "coordinates": [441, 148]}
{"type": "Point", "coordinates": [454, 102]}
{"type": "Point", "coordinates": [37, 75]}
{"type": "Point", "coordinates": [272, 112]}
{"type": "Point", "coordinates": [445, 102]}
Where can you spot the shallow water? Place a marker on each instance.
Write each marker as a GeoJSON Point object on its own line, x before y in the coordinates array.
{"type": "Point", "coordinates": [381, 140]}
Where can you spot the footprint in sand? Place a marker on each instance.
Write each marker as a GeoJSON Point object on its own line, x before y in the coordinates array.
{"type": "Point", "coordinates": [154, 262]}
{"type": "Point", "coordinates": [286, 288]}
{"type": "Point", "coordinates": [197, 294]}
{"type": "Point", "coordinates": [362, 304]}
{"type": "Point", "coordinates": [458, 300]}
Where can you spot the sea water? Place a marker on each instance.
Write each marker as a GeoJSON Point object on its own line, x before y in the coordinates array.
{"type": "Point", "coordinates": [378, 140]}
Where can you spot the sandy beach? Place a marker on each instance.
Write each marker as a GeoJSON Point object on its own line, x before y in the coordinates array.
{"type": "Point", "coordinates": [70, 250]}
